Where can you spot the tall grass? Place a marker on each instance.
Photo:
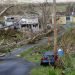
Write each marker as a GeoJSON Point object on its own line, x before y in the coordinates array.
{"type": "Point", "coordinates": [45, 71]}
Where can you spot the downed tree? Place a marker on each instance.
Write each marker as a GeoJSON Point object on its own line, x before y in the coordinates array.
{"type": "Point", "coordinates": [38, 37]}
{"type": "Point", "coordinates": [2, 12]}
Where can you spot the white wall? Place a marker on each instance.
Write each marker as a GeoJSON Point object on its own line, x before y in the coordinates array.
{"type": "Point", "coordinates": [8, 23]}
{"type": "Point", "coordinates": [29, 21]}
{"type": "Point", "coordinates": [35, 29]}
{"type": "Point", "coordinates": [1, 26]}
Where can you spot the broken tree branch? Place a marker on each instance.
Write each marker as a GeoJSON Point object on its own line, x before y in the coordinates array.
{"type": "Point", "coordinates": [39, 36]}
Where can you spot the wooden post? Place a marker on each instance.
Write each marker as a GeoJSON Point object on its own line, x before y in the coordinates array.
{"type": "Point", "coordinates": [55, 26]}
{"type": "Point", "coordinates": [48, 40]}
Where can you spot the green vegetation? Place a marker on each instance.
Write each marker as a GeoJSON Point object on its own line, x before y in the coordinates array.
{"type": "Point", "coordinates": [68, 40]}
{"type": "Point", "coordinates": [46, 71]}
{"type": "Point", "coordinates": [10, 34]}
{"type": "Point", "coordinates": [34, 54]}
{"type": "Point", "coordinates": [7, 38]}
{"type": "Point", "coordinates": [50, 71]}
{"type": "Point", "coordinates": [31, 55]}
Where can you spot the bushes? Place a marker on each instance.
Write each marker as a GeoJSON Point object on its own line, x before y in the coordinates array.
{"type": "Point", "coordinates": [9, 34]}
{"type": "Point", "coordinates": [35, 54]}
{"type": "Point", "coordinates": [45, 71]}
{"type": "Point", "coordinates": [7, 38]}
{"type": "Point", "coordinates": [68, 40]}
{"type": "Point", "coordinates": [3, 51]}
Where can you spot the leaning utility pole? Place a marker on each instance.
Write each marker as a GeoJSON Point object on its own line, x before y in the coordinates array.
{"type": "Point", "coordinates": [55, 26]}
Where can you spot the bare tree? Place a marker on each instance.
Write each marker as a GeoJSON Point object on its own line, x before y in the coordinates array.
{"type": "Point", "coordinates": [70, 8]}
{"type": "Point", "coordinates": [31, 9]}
{"type": "Point", "coordinates": [10, 1]}
{"type": "Point", "coordinates": [45, 8]}
{"type": "Point", "coordinates": [2, 12]}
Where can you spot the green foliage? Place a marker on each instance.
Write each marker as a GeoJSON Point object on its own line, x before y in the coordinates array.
{"type": "Point", "coordinates": [68, 40]}
{"type": "Point", "coordinates": [52, 72]}
{"type": "Point", "coordinates": [34, 54]}
{"type": "Point", "coordinates": [9, 34]}
{"type": "Point", "coordinates": [73, 72]}
{"type": "Point", "coordinates": [68, 61]}
{"type": "Point", "coordinates": [26, 52]}
{"type": "Point", "coordinates": [7, 37]}
{"type": "Point", "coordinates": [3, 51]}
{"type": "Point", "coordinates": [31, 55]}
{"type": "Point", "coordinates": [45, 71]}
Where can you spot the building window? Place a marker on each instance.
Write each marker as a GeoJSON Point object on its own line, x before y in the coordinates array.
{"type": "Point", "coordinates": [35, 25]}
{"type": "Point", "coordinates": [68, 18]}
{"type": "Point", "coordinates": [12, 17]}
{"type": "Point", "coordinates": [23, 25]}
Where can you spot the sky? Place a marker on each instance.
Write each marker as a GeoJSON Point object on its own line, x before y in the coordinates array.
{"type": "Point", "coordinates": [37, 1]}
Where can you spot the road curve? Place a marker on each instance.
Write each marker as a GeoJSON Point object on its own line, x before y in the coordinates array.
{"type": "Point", "coordinates": [12, 65]}
{"type": "Point", "coordinates": [15, 66]}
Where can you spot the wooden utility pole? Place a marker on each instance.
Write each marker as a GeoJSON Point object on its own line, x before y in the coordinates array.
{"type": "Point", "coordinates": [55, 26]}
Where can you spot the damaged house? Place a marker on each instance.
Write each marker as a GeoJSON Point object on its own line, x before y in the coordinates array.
{"type": "Point", "coordinates": [29, 22]}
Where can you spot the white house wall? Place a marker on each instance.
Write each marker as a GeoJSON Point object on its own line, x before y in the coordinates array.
{"type": "Point", "coordinates": [71, 18]}
{"type": "Point", "coordinates": [1, 26]}
{"type": "Point", "coordinates": [35, 29]}
{"type": "Point", "coordinates": [8, 23]}
{"type": "Point", "coordinates": [29, 21]}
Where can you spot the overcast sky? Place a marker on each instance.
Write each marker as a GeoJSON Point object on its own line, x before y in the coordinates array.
{"type": "Point", "coordinates": [45, 0]}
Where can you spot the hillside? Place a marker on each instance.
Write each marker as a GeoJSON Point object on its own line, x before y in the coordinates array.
{"type": "Point", "coordinates": [22, 8]}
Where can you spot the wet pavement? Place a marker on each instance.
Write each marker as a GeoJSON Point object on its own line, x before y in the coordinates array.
{"type": "Point", "coordinates": [16, 66]}
{"type": "Point", "coordinates": [13, 65]}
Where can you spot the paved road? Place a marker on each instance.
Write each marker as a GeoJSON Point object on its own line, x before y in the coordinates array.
{"type": "Point", "coordinates": [15, 66]}
{"type": "Point", "coordinates": [12, 65]}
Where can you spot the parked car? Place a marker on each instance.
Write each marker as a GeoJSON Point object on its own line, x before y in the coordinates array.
{"type": "Point", "coordinates": [48, 58]}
